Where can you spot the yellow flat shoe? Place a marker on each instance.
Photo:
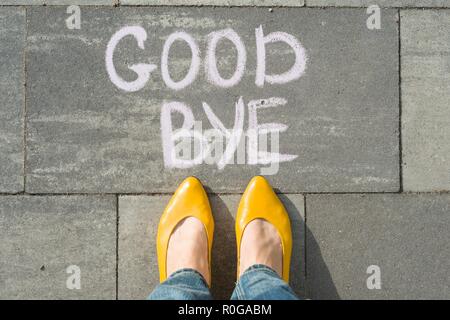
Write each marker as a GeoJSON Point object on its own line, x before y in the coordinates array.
{"type": "Point", "coordinates": [259, 201]}
{"type": "Point", "coordinates": [189, 200]}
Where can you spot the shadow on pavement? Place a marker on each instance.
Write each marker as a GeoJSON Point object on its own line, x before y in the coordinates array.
{"type": "Point", "coordinates": [224, 249]}
{"type": "Point", "coordinates": [312, 252]}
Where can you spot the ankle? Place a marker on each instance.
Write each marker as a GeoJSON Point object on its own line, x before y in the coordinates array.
{"type": "Point", "coordinates": [188, 248]}
{"type": "Point", "coordinates": [260, 245]}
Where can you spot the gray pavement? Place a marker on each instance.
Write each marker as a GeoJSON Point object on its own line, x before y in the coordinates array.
{"type": "Point", "coordinates": [84, 176]}
{"type": "Point", "coordinates": [256, 3]}
{"type": "Point", "coordinates": [110, 141]}
{"type": "Point", "coordinates": [405, 235]}
{"type": "Point", "coordinates": [12, 40]}
{"type": "Point", "coordinates": [381, 3]}
{"type": "Point", "coordinates": [259, 3]}
{"type": "Point", "coordinates": [425, 98]}
{"type": "Point", "coordinates": [43, 236]}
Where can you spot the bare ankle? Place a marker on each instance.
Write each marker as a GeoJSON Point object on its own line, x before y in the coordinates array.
{"type": "Point", "coordinates": [261, 244]}
{"type": "Point", "coordinates": [188, 248]}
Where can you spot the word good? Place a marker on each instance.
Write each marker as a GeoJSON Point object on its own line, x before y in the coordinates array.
{"type": "Point", "coordinates": [143, 70]}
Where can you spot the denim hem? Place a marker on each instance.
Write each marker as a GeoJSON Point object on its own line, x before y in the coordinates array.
{"type": "Point", "coordinates": [189, 271]}
{"type": "Point", "coordinates": [259, 268]}
{"type": "Point", "coordinates": [260, 282]}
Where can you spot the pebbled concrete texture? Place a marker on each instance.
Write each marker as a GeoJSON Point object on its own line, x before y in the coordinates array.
{"type": "Point", "coordinates": [425, 100]}
{"type": "Point", "coordinates": [259, 3]}
{"type": "Point", "coordinates": [41, 236]}
{"type": "Point", "coordinates": [59, 2]}
{"type": "Point", "coordinates": [381, 3]}
{"type": "Point", "coordinates": [138, 223]}
{"type": "Point", "coordinates": [86, 135]}
{"type": "Point", "coordinates": [12, 78]}
{"type": "Point", "coordinates": [394, 232]}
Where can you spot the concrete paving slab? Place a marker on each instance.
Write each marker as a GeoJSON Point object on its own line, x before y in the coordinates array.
{"type": "Point", "coordinates": [404, 235]}
{"type": "Point", "coordinates": [43, 237]}
{"type": "Point", "coordinates": [426, 100]}
{"type": "Point", "coordinates": [381, 3]}
{"type": "Point", "coordinates": [58, 2]}
{"type": "Point", "coordinates": [138, 223]}
{"type": "Point", "coordinates": [12, 43]}
{"type": "Point", "coordinates": [88, 135]}
{"type": "Point", "coordinates": [258, 3]}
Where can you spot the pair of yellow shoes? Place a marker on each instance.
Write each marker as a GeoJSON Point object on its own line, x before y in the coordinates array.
{"type": "Point", "coordinates": [259, 201]}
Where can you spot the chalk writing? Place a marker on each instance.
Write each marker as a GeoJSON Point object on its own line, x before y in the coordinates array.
{"type": "Point", "coordinates": [208, 146]}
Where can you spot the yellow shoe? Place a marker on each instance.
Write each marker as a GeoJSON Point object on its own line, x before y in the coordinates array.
{"type": "Point", "coordinates": [189, 200]}
{"type": "Point", "coordinates": [259, 201]}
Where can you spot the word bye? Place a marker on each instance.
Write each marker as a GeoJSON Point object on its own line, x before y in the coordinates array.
{"type": "Point", "coordinates": [143, 70]}
{"type": "Point", "coordinates": [210, 142]}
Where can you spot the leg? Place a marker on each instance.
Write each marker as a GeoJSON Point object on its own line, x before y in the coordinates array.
{"type": "Point", "coordinates": [187, 264]}
{"type": "Point", "coordinates": [184, 284]}
{"type": "Point", "coordinates": [260, 282]}
{"type": "Point", "coordinates": [261, 265]}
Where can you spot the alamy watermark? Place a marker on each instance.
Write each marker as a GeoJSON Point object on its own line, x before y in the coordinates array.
{"type": "Point", "coordinates": [374, 280]}
{"type": "Point", "coordinates": [373, 22]}
{"type": "Point", "coordinates": [73, 281]}
{"type": "Point", "coordinates": [74, 20]}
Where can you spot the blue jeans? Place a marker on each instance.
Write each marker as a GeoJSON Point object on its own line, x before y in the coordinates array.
{"type": "Point", "coordinates": [258, 282]}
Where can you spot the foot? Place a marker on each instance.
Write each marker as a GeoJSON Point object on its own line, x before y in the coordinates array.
{"type": "Point", "coordinates": [188, 248]}
{"type": "Point", "coordinates": [261, 244]}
